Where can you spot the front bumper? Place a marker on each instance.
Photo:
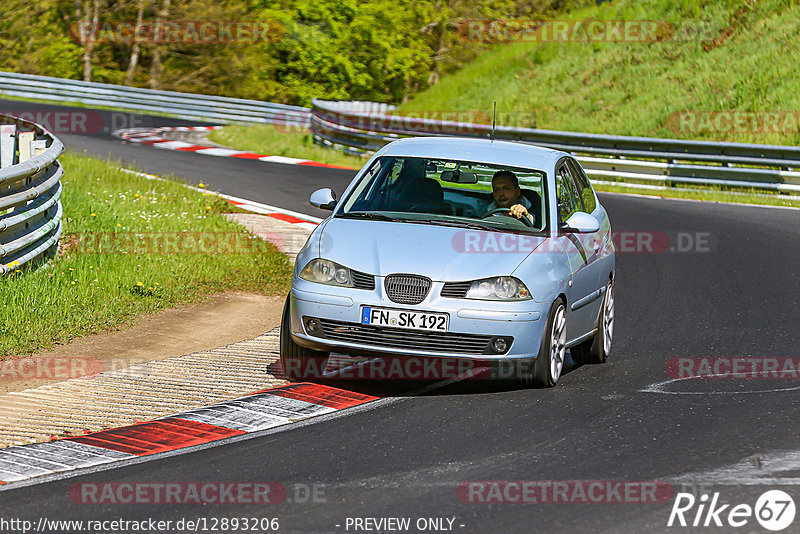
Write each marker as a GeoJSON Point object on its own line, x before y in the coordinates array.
{"type": "Point", "coordinates": [471, 321]}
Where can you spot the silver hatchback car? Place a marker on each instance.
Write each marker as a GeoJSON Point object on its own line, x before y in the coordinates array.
{"type": "Point", "coordinates": [456, 248]}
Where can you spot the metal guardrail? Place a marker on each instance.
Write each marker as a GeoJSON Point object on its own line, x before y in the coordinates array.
{"type": "Point", "coordinates": [360, 127]}
{"type": "Point", "coordinates": [363, 107]}
{"type": "Point", "coordinates": [182, 105]}
{"type": "Point", "coordinates": [628, 158]}
{"type": "Point", "coordinates": [30, 192]}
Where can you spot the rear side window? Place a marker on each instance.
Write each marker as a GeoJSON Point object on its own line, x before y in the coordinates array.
{"type": "Point", "coordinates": [568, 202]}
{"type": "Point", "coordinates": [585, 191]}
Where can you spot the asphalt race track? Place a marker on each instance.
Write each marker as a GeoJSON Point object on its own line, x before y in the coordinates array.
{"type": "Point", "coordinates": [736, 295]}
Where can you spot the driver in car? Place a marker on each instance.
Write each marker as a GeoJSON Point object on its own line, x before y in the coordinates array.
{"type": "Point", "coordinates": [507, 194]}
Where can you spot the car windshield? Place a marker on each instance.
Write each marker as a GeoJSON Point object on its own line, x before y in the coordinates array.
{"type": "Point", "coordinates": [448, 192]}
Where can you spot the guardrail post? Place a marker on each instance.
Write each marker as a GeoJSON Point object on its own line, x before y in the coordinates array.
{"type": "Point", "coordinates": [24, 140]}
{"type": "Point", "coordinates": [38, 146]}
{"type": "Point", "coordinates": [7, 142]}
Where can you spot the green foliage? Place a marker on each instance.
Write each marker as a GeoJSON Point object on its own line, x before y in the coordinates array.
{"type": "Point", "coordinates": [340, 49]}
{"type": "Point", "coordinates": [34, 40]}
{"type": "Point", "coordinates": [348, 49]}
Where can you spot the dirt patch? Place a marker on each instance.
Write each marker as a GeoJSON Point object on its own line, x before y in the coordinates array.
{"type": "Point", "coordinates": [223, 319]}
{"type": "Point", "coordinates": [737, 21]}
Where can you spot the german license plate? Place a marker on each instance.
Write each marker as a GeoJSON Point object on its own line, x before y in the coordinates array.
{"type": "Point", "coordinates": [411, 320]}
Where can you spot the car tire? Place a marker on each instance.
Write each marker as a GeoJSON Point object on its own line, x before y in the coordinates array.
{"type": "Point", "coordinates": [299, 363]}
{"type": "Point", "coordinates": [596, 349]}
{"type": "Point", "coordinates": [547, 367]}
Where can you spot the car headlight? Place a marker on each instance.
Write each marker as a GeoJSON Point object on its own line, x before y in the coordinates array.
{"type": "Point", "coordinates": [498, 288]}
{"type": "Point", "coordinates": [327, 272]}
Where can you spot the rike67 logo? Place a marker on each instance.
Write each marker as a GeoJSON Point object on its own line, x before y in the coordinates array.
{"type": "Point", "coordinates": [774, 510]}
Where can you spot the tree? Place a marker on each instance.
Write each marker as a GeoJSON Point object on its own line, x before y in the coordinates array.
{"type": "Point", "coordinates": [450, 49]}
{"type": "Point", "coordinates": [156, 66]}
{"type": "Point", "coordinates": [383, 50]}
{"type": "Point", "coordinates": [135, 47]}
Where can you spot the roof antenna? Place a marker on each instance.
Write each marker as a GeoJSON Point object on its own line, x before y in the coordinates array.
{"type": "Point", "coordinates": [494, 114]}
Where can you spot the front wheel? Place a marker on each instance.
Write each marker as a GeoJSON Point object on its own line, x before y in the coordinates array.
{"type": "Point", "coordinates": [299, 363]}
{"type": "Point", "coordinates": [596, 349]}
{"type": "Point", "coordinates": [550, 360]}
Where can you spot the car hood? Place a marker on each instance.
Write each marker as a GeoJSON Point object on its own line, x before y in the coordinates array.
{"type": "Point", "coordinates": [441, 253]}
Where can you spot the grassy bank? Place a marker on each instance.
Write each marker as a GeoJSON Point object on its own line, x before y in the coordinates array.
{"type": "Point", "coordinates": [276, 141]}
{"type": "Point", "coordinates": [130, 246]}
{"type": "Point", "coordinates": [721, 56]}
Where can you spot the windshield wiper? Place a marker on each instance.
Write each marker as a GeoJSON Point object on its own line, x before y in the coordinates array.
{"type": "Point", "coordinates": [460, 224]}
{"type": "Point", "coordinates": [370, 215]}
{"type": "Point", "coordinates": [479, 226]}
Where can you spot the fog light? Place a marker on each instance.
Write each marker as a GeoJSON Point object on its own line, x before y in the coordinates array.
{"type": "Point", "coordinates": [313, 325]}
{"type": "Point", "coordinates": [500, 344]}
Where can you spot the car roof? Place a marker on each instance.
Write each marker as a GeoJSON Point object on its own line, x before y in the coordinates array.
{"type": "Point", "coordinates": [479, 150]}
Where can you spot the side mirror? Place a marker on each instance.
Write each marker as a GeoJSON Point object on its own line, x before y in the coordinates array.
{"type": "Point", "coordinates": [581, 223]}
{"type": "Point", "coordinates": [324, 199]}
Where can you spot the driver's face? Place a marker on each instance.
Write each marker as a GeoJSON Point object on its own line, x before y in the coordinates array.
{"type": "Point", "coordinates": [505, 193]}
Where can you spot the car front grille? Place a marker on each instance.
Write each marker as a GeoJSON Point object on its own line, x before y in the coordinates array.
{"type": "Point", "coordinates": [407, 288]}
{"type": "Point", "coordinates": [362, 280]}
{"type": "Point", "coordinates": [455, 290]}
{"type": "Point", "coordinates": [446, 342]}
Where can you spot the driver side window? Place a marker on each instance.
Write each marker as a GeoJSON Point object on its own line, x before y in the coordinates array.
{"type": "Point", "coordinates": [358, 199]}
{"type": "Point", "coordinates": [566, 195]}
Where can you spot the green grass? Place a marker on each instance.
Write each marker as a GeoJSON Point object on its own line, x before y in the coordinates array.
{"type": "Point", "coordinates": [112, 269]}
{"type": "Point", "coordinates": [742, 57]}
{"type": "Point", "coordinates": [276, 141]}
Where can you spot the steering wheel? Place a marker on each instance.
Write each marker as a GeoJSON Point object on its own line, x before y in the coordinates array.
{"type": "Point", "coordinates": [507, 212]}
